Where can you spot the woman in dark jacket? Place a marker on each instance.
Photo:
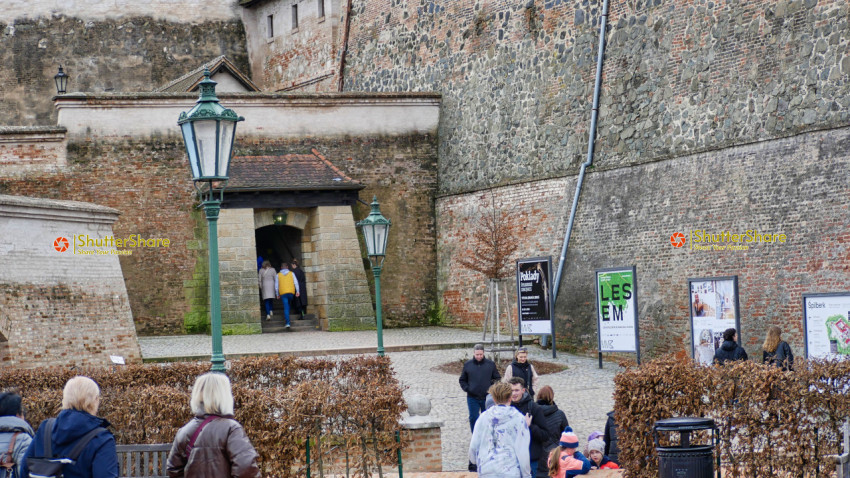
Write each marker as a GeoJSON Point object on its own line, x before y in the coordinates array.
{"type": "Point", "coordinates": [730, 351]}
{"type": "Point", "coordinates": [776, 351]}
{"type": "Point", "coordinates": [523, 369]}
{"type": "Point", "coordinates": [80, 401]}
{"type": "Point", "coordinates": [300, 302]}
{"type": "Point", "coordinates": [555, 418]}
{"type": "Point", "coordinates": [223, 450]}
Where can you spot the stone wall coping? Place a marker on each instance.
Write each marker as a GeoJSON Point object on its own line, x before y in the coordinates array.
{"type": "Point", "coordinates": [312, 98]}
{"type": "Point", "coordinates": [116, 115]}
{"type": "Point", "coordinates": [413, 424]}
{"type": "Point", "coordinates": [39, 208]}
{"type": "Point", "coordinates": [32, 130]}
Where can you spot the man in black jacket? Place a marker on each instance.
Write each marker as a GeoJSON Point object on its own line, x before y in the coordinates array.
{"type": "Point", "coordinates": [475, 379]}
{"type": "Point", "coordinates": [536, 420]}
{"type": "Point", "coordinates": [477, 376]}
{"type": "Point", "coordinates": [730, 351]}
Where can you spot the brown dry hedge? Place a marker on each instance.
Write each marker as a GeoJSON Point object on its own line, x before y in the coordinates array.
{"type": "Point", "coordinates": [355, 404]}
{"type": "Point", "coordinates": [771, 422]}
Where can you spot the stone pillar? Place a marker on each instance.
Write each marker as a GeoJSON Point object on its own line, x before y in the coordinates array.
{"type": "Point", "coordinates": [240, 299]}
{"type": "Point", "coordinates": [334, 267]}
{"type": "Point", "coordinates": [425, 453]}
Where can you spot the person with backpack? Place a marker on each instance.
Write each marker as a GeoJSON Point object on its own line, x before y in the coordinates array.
{"type": "Point", "coordinates": [213, 444]}
{"type": "Point", "coordinates": [15, 435]}
{"type": "Point", "coordinates": [77, 434]}
{"type": "Point", "coordinates": [776, 351]}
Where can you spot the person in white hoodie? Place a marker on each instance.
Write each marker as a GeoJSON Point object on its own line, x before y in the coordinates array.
{"type": "Point", "coordinates": [500, 439]}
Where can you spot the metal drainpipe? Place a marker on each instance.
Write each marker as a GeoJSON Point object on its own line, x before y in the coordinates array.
{"type": "Point", "coordinates": [345, 31]}
{"type": "Point", "coordinates": [590, 143]}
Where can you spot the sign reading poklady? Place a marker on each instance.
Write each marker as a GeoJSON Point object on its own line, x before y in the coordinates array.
{"type": "Point", "coordinates": [617, 318]}
{"type": "Point", "coordinates": [826, 322]}
{"type": "Point", "coordinates": [534, 295]}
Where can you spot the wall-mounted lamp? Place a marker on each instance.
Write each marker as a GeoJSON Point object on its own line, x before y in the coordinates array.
{"type": "Point", "coordinates": [280, 218]}
{"type": "Point", "coordinates": [61, 80]}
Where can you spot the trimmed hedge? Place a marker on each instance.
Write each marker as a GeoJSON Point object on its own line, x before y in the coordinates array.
{"type": "Point", "coordinates": [279, 400]}
{"type": "Point", "coordinates": [771, 422]}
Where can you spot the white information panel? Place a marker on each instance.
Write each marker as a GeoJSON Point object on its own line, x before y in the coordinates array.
{"type": "Point", "coordinates": [616, 305]}
{"type": "Point", "coordinates": [826, 321]}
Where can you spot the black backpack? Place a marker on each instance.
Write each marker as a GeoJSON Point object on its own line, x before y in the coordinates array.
{"type": "Point", "coordinates": [50, 466]}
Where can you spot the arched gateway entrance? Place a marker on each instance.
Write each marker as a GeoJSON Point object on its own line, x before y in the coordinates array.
{"type": "Point", "coordinates": [284, 207]}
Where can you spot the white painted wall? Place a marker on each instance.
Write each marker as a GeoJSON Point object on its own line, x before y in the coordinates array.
{"type": "Point", "coordinates": [266, 115]}
{"type": "Point", "coordinates": [188, 11]}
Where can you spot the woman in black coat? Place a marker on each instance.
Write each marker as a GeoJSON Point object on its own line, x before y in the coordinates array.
{"type": "Point", "coordinates": [730, 351]}
{"type": "Point", "coordinates": [556, 420]}
{"type": "Point", "coordinates": [776, 351]}
{"type": "Point", "coordinates": [300, 302]}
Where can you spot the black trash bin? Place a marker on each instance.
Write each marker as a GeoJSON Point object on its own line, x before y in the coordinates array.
{"type": "Point", "coordinates": [685, 461]}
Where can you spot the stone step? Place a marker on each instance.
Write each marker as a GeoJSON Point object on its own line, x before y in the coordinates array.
{"type": "Point", "coordinates": [297, 323]}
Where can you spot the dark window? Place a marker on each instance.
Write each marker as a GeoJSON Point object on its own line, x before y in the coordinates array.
{"type": "Point", "coordinates": [270, 25]}
{"type": "Point", "coordinates": [321, 8]}
{"type": "Point", "coordinates": [294, 17]}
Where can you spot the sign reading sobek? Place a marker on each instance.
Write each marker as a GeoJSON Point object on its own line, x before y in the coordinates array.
{"type": "Point", "coordinates": [616, 301]}
{"type": "Point", "coordinates": [826, 323]}
{"type": "Point", "coordinates": [534, 294]}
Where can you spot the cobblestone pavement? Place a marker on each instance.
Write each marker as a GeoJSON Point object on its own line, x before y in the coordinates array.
{"type": "Point", "coordinates": [583, 391]}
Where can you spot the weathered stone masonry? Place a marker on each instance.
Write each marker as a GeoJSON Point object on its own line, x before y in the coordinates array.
{"type": "Point", "coordinates": [703, 105]}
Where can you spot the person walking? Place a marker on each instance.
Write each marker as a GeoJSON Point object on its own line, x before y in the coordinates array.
{"type": "Point", "coordinates": [537, 425]}
{"type": "Point", "coordinates": [299, 302]}
{"type": "Point", "coordinates": [80, 403]}
{"type": "Point", "coordinates": [776, 351]}
{"type": "Point", "coordinates": [612, 446]}
{"type": "Point", "coordinates": [15, 436]}
{"type": "Point", "coordinates": [521, 367]}
{"type": "Point", "coordinates": [475, 378]}
{"type": "Point", "coordinates": [212, 444]}
{"type": "Point", "coordinates": [268, 286]}
{"type": "Point", "coordinates": [730, 351]}
{"type": "Point", "coordinates": [287, 289]}
{"type": "Point", "coordinates": [556, 420]}
{"type": "Point", "coordinates": [500, 438]}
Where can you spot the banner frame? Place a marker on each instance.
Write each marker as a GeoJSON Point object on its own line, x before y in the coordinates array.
{"type": "Point", "coordinates": [550, 308]}
{"type": "Point", "coordinates": [806, 315]}
{"type": "Point", "coordinates": [636, 351]}
{"type": "Point", "coordinates": [737, 294]}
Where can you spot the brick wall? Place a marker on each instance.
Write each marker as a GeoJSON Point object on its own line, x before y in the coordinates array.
{"type": "Point", "coordinates": [795, 186]}
{"type": "Point", "coordinates": [60, 306]}
{"type": "Point", "coordinates": [24, 150]}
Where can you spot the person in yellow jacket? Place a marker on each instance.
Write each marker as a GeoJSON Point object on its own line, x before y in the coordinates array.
{"type": "Point", "coordinates": [287, 289]}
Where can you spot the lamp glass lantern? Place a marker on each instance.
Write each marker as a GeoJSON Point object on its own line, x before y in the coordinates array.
{"type": "Point", "coordinates": [61, 80]}
{"type": "Point", "coordinates": [208, 130]}
{"type": "Point", "coordinates": [375, 232]}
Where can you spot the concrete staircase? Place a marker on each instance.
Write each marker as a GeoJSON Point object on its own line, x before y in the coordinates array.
{"type": "Point", "coordinates": [298, 323]}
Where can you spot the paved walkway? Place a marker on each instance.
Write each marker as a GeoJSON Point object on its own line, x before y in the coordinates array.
{"type": "Point", "coordinates": [583, 391]}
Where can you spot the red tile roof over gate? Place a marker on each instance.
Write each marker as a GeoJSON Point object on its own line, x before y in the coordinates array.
{"type": "Point", "coordinates": [287, 172]}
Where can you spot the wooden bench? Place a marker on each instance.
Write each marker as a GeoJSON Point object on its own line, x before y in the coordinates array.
{"type": "Point", "coordinates": [143, 461]}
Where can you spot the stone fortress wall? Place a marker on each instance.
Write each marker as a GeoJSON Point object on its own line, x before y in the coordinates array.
{"type": "Point", "coordinates": [107, 46]}
{"type": "Point", "coordinates": [715, 115]}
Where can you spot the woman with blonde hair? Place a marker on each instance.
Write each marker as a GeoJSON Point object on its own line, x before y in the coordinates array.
{"type": "Point", "coordinates": [212, 444]}
{"type": "Point", "coordinates": [776, 351]}
{"type": "Point", "coordinates": [76, 423]}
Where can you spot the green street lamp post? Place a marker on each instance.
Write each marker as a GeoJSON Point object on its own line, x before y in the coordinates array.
{"type": "Point", "coordinates": [208, 131]}
{"type": "Point", "coordinates": [375, 229]}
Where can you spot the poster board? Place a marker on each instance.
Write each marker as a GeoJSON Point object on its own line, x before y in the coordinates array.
{"type": "Point", "coordinates": [616, 306]}
{"type": "Point", "coordinates": [713, 309]}
{"type": "Point", "coordinates": [534, 296]}
{"type": "Point", "coordinates": [826, 325]}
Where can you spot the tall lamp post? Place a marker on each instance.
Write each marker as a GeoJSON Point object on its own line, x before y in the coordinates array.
{"type": "Point", "coordinates": [208, 131]}
{"type": "Point", "coordinates": [375, 229]}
